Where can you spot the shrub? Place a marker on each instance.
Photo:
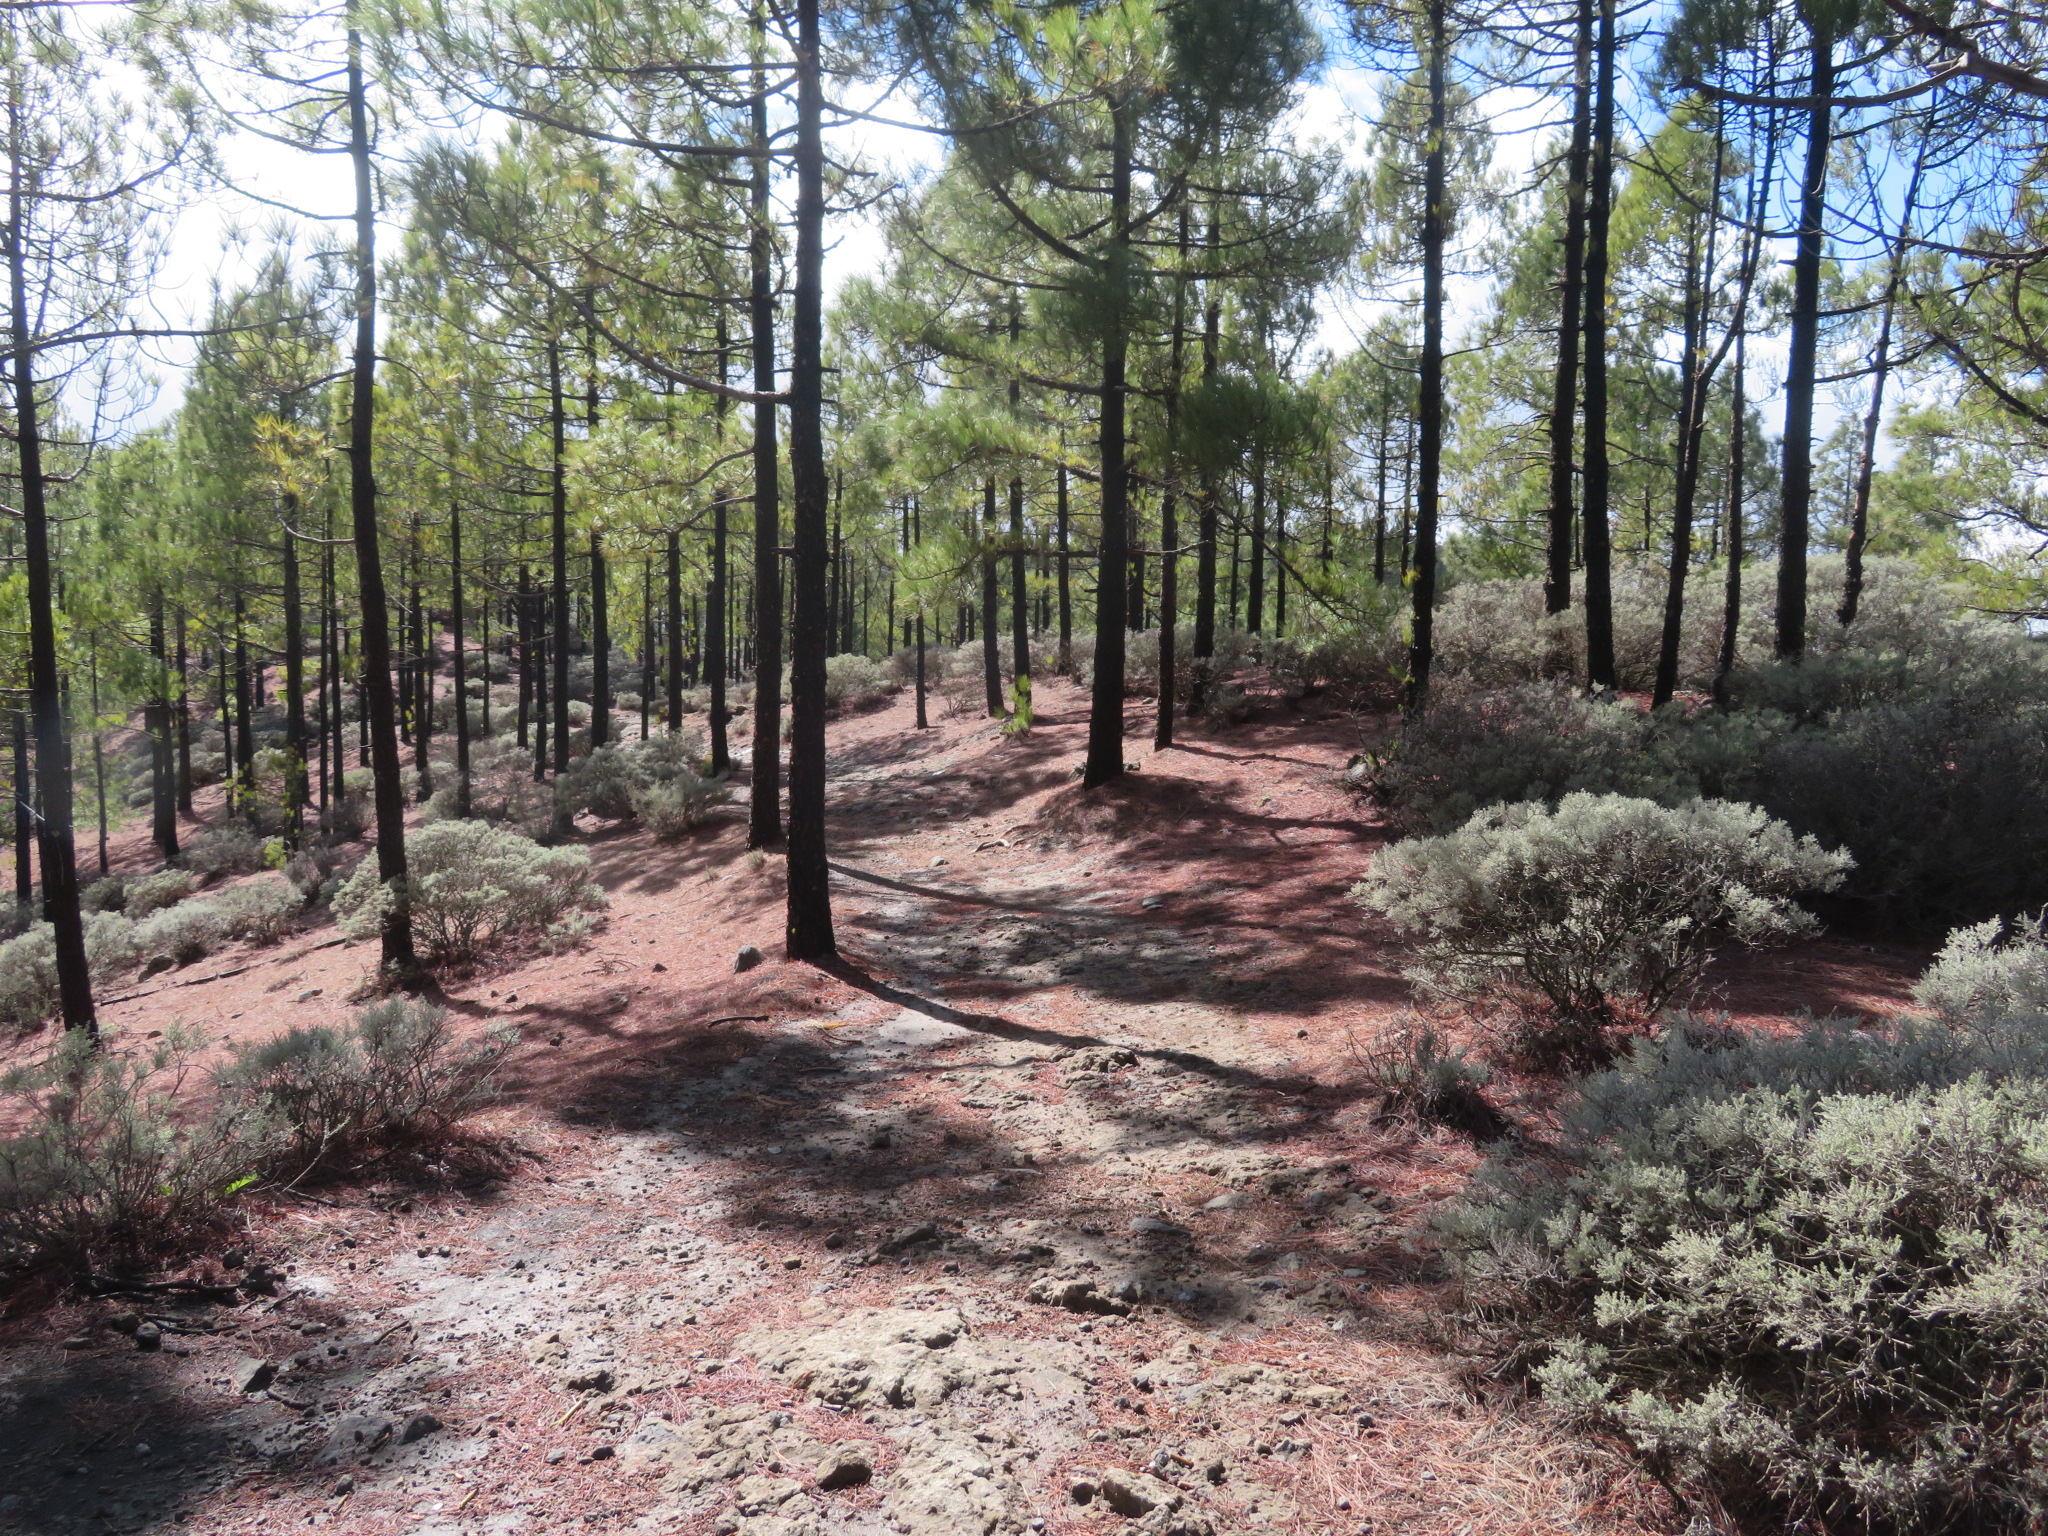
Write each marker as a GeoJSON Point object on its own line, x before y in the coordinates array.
{"type": "Point", "coordinates": [109, 893]}
{"type": "Point", "coordinates": [1993, 970]}
{"type": "Point", "coordinates": [28, 965]}
{"type": "Point", "coordinates": [667, 754]}
{"type": "Point", "coordinates": [346, 817]}
{"type": "Point", "coordinates": [1803, 1276]}
{"type": "Point", "coordinates": [1943, 803]}
{"type": "Point", "coordinates": [1419, 1074]}
{"type": "Point", "coordinates": [260, 912]}
{"type": "Point", "coordinates": [229, 849]}
{"type": "Point", "coordinates": [398, 1076]}
{"type": "Point", "coordinates": [152, 893]}
{"type": "Point", "coordinates": [1537, 741]}
{"type": "Point", "coordinates": [108, 1167]}
{"type": "Point", "coordinates": [28, 977]}
{"type": "Point", "coordinates": [472, 884]}
{"type": "Point", "coordinates": [602, 784]}
{"type": "Point", "coordinates": [1605, 898]}
{"type": "Point", "coordinates": [671, 807]}
{"type": "Point", "coordinates": [190, 931]}
{"type": "Point", "coordinates": [851, 681]}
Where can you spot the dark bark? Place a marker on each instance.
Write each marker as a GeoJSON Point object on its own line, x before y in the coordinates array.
{"type": "Point", "coordinates": [715, 599]}
{"type": "Point", "coordinates": [1803, 350]}
{"type": "Point", "coordinates": [24, 815]}
{"type": "Point", "coordinates": [991, 650]}
{"type": "Point", "coordinates": [163, 771]}
{"type": "Point", "coordinates": [1557, 587]}
{"type": "Point", "coordinates": [764, 824]}
{"type": "Point", "coordinates": [183, 723]}
{"type": "Point", "coordinates": [1731, 600]}
{"type": "Point", "coordinates": [379, 705]}
{"type": "Point", "coordinates": [600, 645]}
{"type": "Point", "coordinates": [1169, 526]}
{"type": "Point", "coordinates": [809, 932]}
{"type": "Point", "coordinates": [298, 786]}
{"type": "Point", "coordinates": [1695, 374]}
{"type": "Point", "coordinates": [459, 670]}
{"type": "Point", "coordinates": [1209, 512]}
{"type": "Point", "coordinates": [1430, 385]}
{"type": "Point", "coordinates": [1596, 527]}
{"type": "Point", "coordinates": [1106, 705]}
{"type": "Point", "coordinates": [558, 549]}
{"type": "Point", "coordinates": [1255, 575]}
{"type": "Point", "coordinates": [675, 632]}
{"type": "Point", "coordinates": [1061, 530]}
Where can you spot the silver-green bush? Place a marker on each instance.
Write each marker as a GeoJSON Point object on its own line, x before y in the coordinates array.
{"type": "Point", "coordinates": [1803, 1276]}
{"type": "Point", "coordinates": [473, 884]}
{"type": "Point", "coordinates": [1994, 970]}
{"type": "Point", "coordinates": [1604, 900]}
{"type": "Point", "coordinates": [108, 1163]}
{"type": "Point", "coordinates": [399, 1075]}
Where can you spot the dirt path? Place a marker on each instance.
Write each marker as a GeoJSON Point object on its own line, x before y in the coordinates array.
{"type": "Point", "coordinates": [1059, 1204]}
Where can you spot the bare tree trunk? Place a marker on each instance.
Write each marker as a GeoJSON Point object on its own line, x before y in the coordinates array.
{"type": "Point", "coordinates": [1105, 759]}
{"type": "Point", "coordinates": [1557, 587]}
{"type": "Point", "coordinates": [379, 705]}
{"type": "Point", "coordinates": [460, 669]}
{"type": "Point", "coordinates": [1803, 350]}
{"type": "Point", "coordinates": [991, 652]}
{"type": "Point", "coordinates": [809, 933]}
{"type": "Point", "coordinates": [1430, 401]}
{"type": "Point", "coordinates": [1596, 529]}
{"type": "Point", "coordinates": [764, 826]}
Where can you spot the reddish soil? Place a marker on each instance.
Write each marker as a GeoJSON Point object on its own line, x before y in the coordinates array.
{"type": "Point", "coordinates": [1113, 1035]}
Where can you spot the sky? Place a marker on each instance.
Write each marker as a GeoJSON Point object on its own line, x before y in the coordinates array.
{"type": "Point", "coordinates": [216, 239]}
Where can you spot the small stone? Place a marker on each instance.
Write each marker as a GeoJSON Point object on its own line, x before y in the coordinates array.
{"type": "Point", "coordinates": [148, 1336]}
{"type": "Point", "coordinates": [596, 1379]}
{"type": "Point", "coordinates": [659, 966]}
{"type": "Point", "coordinates": [792, 1262]}
{"type": "Point", "coordinates": [941, 859]}
{"type": "Point", "coordinates": [252, 1375]}
{"type": "Point", "coordinates": [418, 1427]}
{"type": "Point", "coordinates": [1235, 1200]}
{"type": "Point", "coordinates": [1083, 1490]}
{"type": "Point", "coordinates": [879, 1142]}
{"type": "Point", "coordinates": [78, 1341]}
{"type": "Point", "coordinates": [748, 958]}
{"type": "Point", "coordinates": [847, 1466]}
{"type": "Point", "coordinates": [309, 994]}
{"type": "Point", "coordinates": [555, 1456]}
{"type": "Point", "coordinates": [837, 1240]}
{"type": "Point", "coordinates": [910, 1237]}
{"type": "Point", "coordinates": [1153, 903]}
{"type": "Point", "coordinates": [600, 1453]}
{"type": "Point", "coordinates": [1155, 1226]}
{"type": "Point", "coordinates": [344, 1486]}
{"type": "Point", "coordinates": [124, 1322]}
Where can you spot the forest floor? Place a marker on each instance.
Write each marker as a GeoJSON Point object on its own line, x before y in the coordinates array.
{"type": "Point", "coordinates": [1069, 1179]}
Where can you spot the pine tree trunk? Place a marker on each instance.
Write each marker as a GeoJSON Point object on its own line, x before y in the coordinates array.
{"type": "Point", "coordinates": [24, 816]}
{"type": "Point", "coordinates": [298, 788]}
{"type": "Point", "coordinates": [675, 632]}
{"type": "Point", "coordinates": [459, 671]}
{"type": "Point", "coordinates": [1731, 601]}
{"type": "Point", "coordinates": [764, 824]}
{"type": "Point", "coordinates": [1803, 352]}
{"type": "Point", "coordinates": [163, 772]}
{"type": "Point", "coordinates": [558, 534]}
{"type": "Point", "coordinates": [991, 651]}
{"type": "Point", "coordinates": [600, 645]}
{"type": "Point", "coordinates": [1430, 401]}
{"type": "Point", "coordinates": [1596, 529]}
{"type": "Point", "coordinates": [809, 934]}
{"type": "Point", "coordinates": [1066, 591]}
{"type": "Point", "coordinates": [1557, 587]}
{"type": "Point", "coordinates": [1105, 759]}
{"type": "Point", "coordinates": [379, 705]}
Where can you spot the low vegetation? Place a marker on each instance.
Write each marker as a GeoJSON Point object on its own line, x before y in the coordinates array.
{"type": "Point", "coordinates": [1596, 913]}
